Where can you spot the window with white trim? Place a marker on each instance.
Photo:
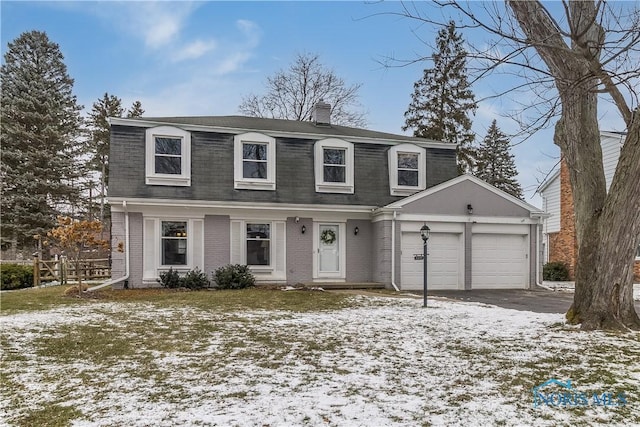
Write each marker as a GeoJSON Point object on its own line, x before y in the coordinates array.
{"type": "Point", "coordinates": [258, 244]}
{"type": "Point", "coordinates": [407, 170]}
{"type": "Point", "coordinates": [168, 156]}
{"type": "Point", "coordinates": [255, 162]}
{"type": "Point", "coordinates": [174, 243]}
{"type": "Point", "coordinates": [334, 166]}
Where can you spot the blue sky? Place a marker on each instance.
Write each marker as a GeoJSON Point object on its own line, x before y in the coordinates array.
{"type": "Point", "coordinates": [186, 58]}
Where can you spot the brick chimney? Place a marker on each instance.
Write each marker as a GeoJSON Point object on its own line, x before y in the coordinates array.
{"type": "Point", "coordinates": [321, 114]}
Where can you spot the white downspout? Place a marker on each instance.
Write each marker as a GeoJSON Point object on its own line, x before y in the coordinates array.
{"type": "Point", "coordinates": [393, 252]}
{"type": "Point", "coordinates": [538, 258]}
{"type": "Point", "coordinates": [126, 254]}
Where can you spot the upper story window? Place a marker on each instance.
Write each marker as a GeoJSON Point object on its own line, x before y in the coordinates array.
{"type": "Point", "coordinates": [407, 170]}
{"type": "Point", "coordinates": [255, 162]}
{"type": "Point", "coordinates": [334, 166]}
{"type": "Point", "coordinates": [168, 156]}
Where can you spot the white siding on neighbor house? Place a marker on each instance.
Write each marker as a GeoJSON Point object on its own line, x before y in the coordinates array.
{"type": "Point", "coordinates": [611, 145]}
{"type": "Point", "coordinates": [551, 205]}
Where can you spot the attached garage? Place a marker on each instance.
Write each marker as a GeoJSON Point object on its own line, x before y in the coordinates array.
{"type": "Point", "coordinates": [481, 238]}
{"type": "Point", "coordinates": [444, 266]}
{"type": "Point", "coordinates": [499, 261]}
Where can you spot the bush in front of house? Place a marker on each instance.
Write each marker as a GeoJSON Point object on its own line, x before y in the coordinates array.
{"type": "Point", "coordinates": [15, 276]}
{"type": "Point", "coordinates": [555, 272]}
{"type": "Point", "coordinates": [195, 279]}
{"type": "Point", "coordinates": [170, 279]}
{"type": "Point", "coordinates": [234, 276]}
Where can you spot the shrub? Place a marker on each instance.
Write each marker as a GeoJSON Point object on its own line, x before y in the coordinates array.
{"type": "Point", "coordinates": [234, 276]}
{"type": "Point", "coordinates": [555, 271]}
{"type": "Point", "coordinates": [195, 279]}
{"type": "Point", "coordinates": [15, 276]}
{"type": "Point", "coordinates": [170, 279]}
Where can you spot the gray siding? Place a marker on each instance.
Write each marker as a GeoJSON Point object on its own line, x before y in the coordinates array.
{"type": "Point", "coordinates": [135, 245]}
{"type": "Point", "coordinates": [217, 242]}
{"type": "Point", "coordinates": [359, 251]}
{"type": "Point", "coordinates": [381, 232]}
{"type": "Point", "coordinates": [212, 171]}
{"type": "Point", "coordinates": [117, 258]}
{"type": "Point", "coordinates": [299, 251]}
{"type": "Point", "coordinates": [454, 201]}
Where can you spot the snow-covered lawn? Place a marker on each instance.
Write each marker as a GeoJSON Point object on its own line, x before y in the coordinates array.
{"type": "Point", "coordinates": [381, 362]}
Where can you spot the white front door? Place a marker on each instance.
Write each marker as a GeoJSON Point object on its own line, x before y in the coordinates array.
{"type": "Point", "coordinates": [330, 251]}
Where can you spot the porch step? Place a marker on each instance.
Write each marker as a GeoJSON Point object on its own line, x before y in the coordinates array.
{"type": "Point", "coordinates": [344, 285]}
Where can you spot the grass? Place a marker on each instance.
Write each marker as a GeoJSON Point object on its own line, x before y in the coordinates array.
{"type": "Point", "coordinates": [227, 300]}
{"type": "Point", "coordinates": [101, 356]}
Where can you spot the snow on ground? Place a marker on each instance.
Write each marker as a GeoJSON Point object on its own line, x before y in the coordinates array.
{"type": "Point", "coordinates": [570, 287]}
{"type": "Point", "coordinates": [383, 362]}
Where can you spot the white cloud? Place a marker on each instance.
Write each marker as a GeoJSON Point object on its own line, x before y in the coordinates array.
{"type": "Point", "coordinates": [232, 63]}
{"type": "Point", "coordinates": [159, 23]}
{"type": "Point", "coordinates": [194, 50]}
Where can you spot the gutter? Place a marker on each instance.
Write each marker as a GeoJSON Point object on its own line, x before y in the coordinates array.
{"type": "Point", "coordinates": [126, 255]}
{"type": "Point", "coordinates": [393, 252]}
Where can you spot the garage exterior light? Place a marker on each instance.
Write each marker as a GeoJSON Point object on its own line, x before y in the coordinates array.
{"type": "Point", "coordinates": [425, 231]}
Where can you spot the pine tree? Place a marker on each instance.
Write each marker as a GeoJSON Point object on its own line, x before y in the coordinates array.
{"type": "Point", "coordinates": [495, 164]}
{"type": "Point", "coordinates": [100, 135]}
{"type": "Point", "coordinates": [442, 99]}
{"type": "Point", "coordinates": [40, 123]}
{"type": "Point", "coordinates": [135, 110]}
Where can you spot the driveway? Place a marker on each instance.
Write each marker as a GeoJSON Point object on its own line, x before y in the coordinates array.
{"type": "Point", "coordinates": [538, 300]}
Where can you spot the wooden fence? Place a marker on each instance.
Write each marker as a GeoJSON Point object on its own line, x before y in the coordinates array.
{"type": "Point", "coordinates": [64, 270]}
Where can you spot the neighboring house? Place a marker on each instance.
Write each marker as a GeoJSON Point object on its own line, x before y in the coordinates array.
{"type": "Point", "coordinates": [559, 233]}
{"type": "Point", "coordinates": [308, 202]}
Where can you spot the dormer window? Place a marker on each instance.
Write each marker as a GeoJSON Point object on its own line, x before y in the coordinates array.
{"type": "Point", "coordinates": [255, 162]}
{"type": "Point", "coordinates": [407, 172]}
{"type": "Point", "coordinates": [168, 156]}
{"type": "Point", "coordinates": [334, 166]}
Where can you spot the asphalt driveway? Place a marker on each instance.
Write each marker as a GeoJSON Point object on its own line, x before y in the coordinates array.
{"type": "Point", "coordinates": [538, 300]}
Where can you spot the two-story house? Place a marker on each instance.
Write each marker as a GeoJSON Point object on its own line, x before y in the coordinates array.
{"type": "Point", "coordinates": [559, 234]}
{"type": "Point", "coordinates": [308, 202]}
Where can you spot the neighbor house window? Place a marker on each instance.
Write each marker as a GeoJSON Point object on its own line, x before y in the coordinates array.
{"type": "Point", "coordinates": [174, 243]}
{"type": "Point", "coordinates": [168, 151]}
{"type": "Point", "coordinates": [258, 244]}
{"type": "Point", "coordinates": [334, 166]}
{"type": "Point", "coordinates": [407, 170]}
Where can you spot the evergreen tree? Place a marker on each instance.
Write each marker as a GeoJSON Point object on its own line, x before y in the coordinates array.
{"type": "Point", "coordinates": [442, 99]}
{"type": "Point", "coordinates": [100, 135]}
{"type": "Point", "coordinates": [135, 110]}
{"type": "Point", "coordinates": [495, 164]}
{"type": "Point", "coordinates": [40, 123]}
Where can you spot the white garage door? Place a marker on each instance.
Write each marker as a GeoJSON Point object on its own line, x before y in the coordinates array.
{"type": "Point", "coordinates": [499, 261]}
{"type": "Point", "coordinates": [444, 261]}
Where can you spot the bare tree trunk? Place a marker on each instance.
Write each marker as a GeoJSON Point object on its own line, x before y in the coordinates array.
{"type": "Point", "coordinates": [607, 225]}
